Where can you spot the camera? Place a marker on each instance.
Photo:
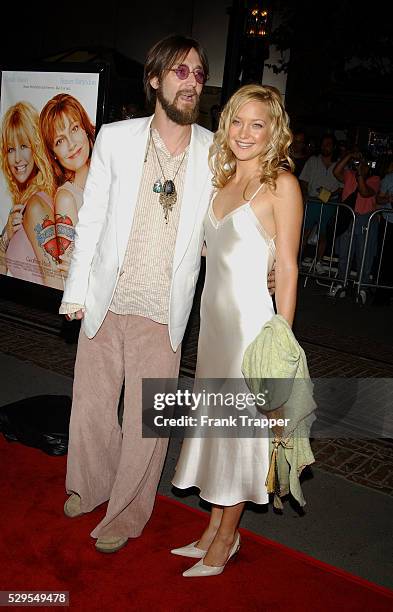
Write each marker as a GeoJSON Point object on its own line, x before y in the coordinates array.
{"type": "Point", "coordinates": [371, 164]}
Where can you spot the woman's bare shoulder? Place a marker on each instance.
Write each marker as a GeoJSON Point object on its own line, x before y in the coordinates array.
{"type": "Point", "coordinates": [36, 205]}
{"type": "Point", "coordinates": [63, 197]}
{"type": "Point", "coordinates": [286, 180]}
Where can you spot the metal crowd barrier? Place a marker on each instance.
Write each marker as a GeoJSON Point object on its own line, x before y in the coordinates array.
{"type": "Point", "coordinates": [331, 259]}
{"type": "Point", "coordinates": [375, 283]}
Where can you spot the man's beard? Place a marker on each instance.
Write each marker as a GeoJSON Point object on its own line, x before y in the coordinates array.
{"type": "Point", "coordinates": [175, 114]}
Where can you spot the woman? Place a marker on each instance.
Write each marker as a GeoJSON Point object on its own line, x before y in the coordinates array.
{"type": "Point", "coordinates": [68, 136]}
{"type": "Point", "coordinates": [28, 240]}
{"type": "Point", "coordinates": [253, 221]}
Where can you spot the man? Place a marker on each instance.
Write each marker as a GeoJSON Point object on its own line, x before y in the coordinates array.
{"type": "Point", "coordinates": [132, 280]}
{"type": "Point", "coordinates": [317, 175]}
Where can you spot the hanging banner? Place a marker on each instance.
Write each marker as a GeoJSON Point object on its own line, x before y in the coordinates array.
{"type": "Point", "coordinates": [48, 123]}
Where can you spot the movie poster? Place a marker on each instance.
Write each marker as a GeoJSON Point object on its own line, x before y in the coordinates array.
{"type": "Point", "coordinates": [47, 130]}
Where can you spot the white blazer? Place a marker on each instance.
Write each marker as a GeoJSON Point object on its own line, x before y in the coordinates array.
{"type": "Point", "coordinates": [105, 218]}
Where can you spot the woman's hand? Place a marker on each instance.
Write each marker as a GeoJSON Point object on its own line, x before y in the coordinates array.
{"type": "Point", "coordinates": [15, 219]}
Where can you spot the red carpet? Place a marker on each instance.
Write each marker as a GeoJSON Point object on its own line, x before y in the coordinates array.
{"type": "Point", "coordinates": [43, 550]}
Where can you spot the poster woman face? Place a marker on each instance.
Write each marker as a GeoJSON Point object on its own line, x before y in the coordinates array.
{"type": "Point", "coordinates": [71, 144]}
{"type": "Point", "coordinates": [20, 159]}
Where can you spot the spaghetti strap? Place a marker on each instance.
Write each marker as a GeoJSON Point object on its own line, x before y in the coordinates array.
{"type": "Point", "coordinates": [256, 193]}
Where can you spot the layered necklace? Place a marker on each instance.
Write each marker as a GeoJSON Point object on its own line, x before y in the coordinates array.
{"type": "Point", "coordinates": [165, 187]}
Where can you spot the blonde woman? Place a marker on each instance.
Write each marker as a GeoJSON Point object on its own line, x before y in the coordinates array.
{"type": "Point", "coordinates": [254, 220]}
{"type": "Point", "coordinates": [28, 241]}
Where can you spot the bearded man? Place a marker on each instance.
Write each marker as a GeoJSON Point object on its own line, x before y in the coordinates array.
{"type": "Point", "coordinates": [132, 280]}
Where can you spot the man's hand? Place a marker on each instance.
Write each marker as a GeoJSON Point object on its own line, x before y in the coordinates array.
{"type": "Point", "coordinates": [271, 281]}
{"type": "Point", "coordinates": [79, 314]}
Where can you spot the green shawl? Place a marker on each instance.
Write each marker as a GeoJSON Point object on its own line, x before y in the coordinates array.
{"type": "Point", "coordinates": [276, 354]}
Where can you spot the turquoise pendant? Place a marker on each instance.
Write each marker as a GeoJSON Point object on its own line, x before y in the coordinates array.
{"type": "Point", "coordinates": [157, 187]}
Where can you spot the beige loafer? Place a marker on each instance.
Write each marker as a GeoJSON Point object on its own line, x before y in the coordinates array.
{"type": "Point", "coordinates": [110, 544]}
{"type": "Point", "coordinates": [72, 506]}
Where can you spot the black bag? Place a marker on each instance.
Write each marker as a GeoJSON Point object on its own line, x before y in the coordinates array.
{"type": "Point", "coordinates": [41, 421]}
{"type": "Point", "coordinates": [344, 217]}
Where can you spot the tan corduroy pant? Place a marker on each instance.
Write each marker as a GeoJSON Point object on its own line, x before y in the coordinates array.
{"type": "Point", "coordinates": [106, 462]}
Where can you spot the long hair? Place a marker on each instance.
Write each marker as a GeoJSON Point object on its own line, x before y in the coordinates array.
{"type": "Point", "coordinates": [276, 156]}
{"type": "Point", "coordinates": [21, 121]}
{"type": "Point", "coordinates": [52, 119]}
{"type": "Point", "coordinates": [164, 54]}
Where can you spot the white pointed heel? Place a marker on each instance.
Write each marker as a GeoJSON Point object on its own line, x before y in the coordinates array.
{"type": "Point", "coordinates": [189, 551]}
{"type": "Point", "coordinates": [199, 569]}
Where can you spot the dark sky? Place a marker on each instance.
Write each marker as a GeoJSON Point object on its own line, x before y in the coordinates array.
{"type": "Point", "coordinates": [323, 84]}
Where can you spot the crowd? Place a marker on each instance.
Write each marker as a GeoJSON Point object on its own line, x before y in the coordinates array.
{"type": "Point", "coordinates": [339, 172]}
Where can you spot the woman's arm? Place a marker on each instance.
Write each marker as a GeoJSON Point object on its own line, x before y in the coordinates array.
{"type": "Point", "coordinates": [65, 206]}
{"type": "Point", "coordinates": [39, 225]}
{"type": "Point", "coordinates": [66, 218]}
{"type": "Point", "coordinates": [3, 250]}
{"type": "Point", "coordinates": [14, 223]}
{"type": "Point", "coordinates": [4, 242]}
{"type": "Point", "coordinates": [288, 216]}
{"type": "Point", "coordinates": [339, 168]}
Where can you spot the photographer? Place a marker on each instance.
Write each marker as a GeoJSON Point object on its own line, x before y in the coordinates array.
{"type": "Point", "coordinates": [359, 191]}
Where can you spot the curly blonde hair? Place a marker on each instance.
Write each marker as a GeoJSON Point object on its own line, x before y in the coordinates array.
{"type": "Point", "coordinates": [21, 122]}
{"type": "Point", "coordinates": [275, 158]}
